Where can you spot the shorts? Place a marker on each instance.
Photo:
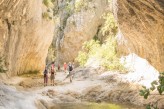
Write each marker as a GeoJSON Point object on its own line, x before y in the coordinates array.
{"type": "Point", "coordinates": [52, 76]}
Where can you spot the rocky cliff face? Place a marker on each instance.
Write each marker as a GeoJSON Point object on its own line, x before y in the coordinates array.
{"type": "Point", "coordinates": [76, 27]}
{"type": "Point", "coordinates": [81, 27]}
{"type": "Point", "coordinates": [142, 25]}
{"type": "Point", "coordinates": [24, 35]}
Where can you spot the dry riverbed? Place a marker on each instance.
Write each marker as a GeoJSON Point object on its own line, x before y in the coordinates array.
{"type": "Point", "coordinates": [89, 85]}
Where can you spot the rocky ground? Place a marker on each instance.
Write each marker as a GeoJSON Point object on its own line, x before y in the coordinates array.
{"type": "Point", "coordinates": [89, 85]}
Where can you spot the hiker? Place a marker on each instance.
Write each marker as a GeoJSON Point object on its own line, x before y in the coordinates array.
{"type": "Point", "coordinates": [70, 68]}
{"type": "Point", "coordinates": [45, 76]}
{"type": "Point", "coordinates": [65, 67]}
{"type": "Point", "coordinates": [53, 73]}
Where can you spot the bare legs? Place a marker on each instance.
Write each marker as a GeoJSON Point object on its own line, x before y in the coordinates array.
{"type": "Point", "coordinates": [52, 79]}
{"type": "Point", "coordinates": [45, 80]}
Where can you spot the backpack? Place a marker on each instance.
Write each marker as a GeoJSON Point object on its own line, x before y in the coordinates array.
{"type": "Point", "coordinates": [45, 71]}
{"type": "Point", "coordinates": [70, 68]}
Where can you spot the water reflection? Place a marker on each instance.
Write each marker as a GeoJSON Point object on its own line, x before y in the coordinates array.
{"type": "Point", "coordinates": [91, 106]}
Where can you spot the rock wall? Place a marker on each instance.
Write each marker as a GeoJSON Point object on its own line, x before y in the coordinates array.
{"type": "Point", "coordinates": [80, 27]}
{"type": "Point", "coordinates": [24, 35]}
{"type": "Point", "coordinates": [142, 25]}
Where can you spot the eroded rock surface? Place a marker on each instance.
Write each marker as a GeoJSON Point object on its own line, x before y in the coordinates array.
{"type": "Point", "coordinates": [88, 86]}
{"type": "Point", "coordinates": [142, 25]}
{"type": "Point", "coordinates": [78, 27]}
{"type": "Point", "coordinates": [24, 35]}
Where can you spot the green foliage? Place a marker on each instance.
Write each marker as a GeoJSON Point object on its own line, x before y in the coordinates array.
{"type": "Point", "coordinates": [30, 73]}
{"type": "Point", "coordinates": [110, 26]}
{"type": "Point", "coordinates": [68, 7]}
{"type": "Point", "coordinates": [151, 107]}
{"type": "Point", "coordinates": [50, 8]}
{"type": "Point", "coordinates": [45, 15]}
{"type": "Point", "coordinates": [80, 4]}
{"type": "Point", "coordinates": [51, 54]}
{"type": "Point", "coordinates": [109, 57]}
{"type": "Point", "coordinates": [145, 92]}
{"type": "Point", "coordinates": [106, 52]}
{"type": "Point", "coordinates": [159, 85]}
{"type": "Point", "coordinates": [48, 3]}
{"type": "Point", "coordinates": [33, 72]}
{"type": "Point", "coordinates": [89, 48]}
{"type": "Point", "coordinates": [2, 65]}
{"type": "Point", "coordinates": [82, 58]}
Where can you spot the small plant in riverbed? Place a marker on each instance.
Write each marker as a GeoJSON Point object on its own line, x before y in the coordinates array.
{"type": "Point", "coordinates": [159, 85]}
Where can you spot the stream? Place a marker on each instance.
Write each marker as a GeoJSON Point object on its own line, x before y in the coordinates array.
{"type": "Point", "coordinates": [93, 106]}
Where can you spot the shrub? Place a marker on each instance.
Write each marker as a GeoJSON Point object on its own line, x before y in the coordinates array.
{"type": "Point", "coordinates": [48, 3]}
{"type": "Point", "coordinates": [80, 4]}
{"type": "Point", "coordinates": [45, 15]}
{"type": "Point", "coordinates": [68, 7]}
{"type": "Point", "coordinates": [49, 14]}
{"type": "Point", "coordinates": [89, 48]}
{"type": "Point", "coordinates": [110, 26]}
{"type": "Point", "coordinates": [107, 51]}
{"type": "Point", "coordinates": [159, 85]}
{"type": "Point", "coordinates": [2, 64]}
{"type": "Point", "coordinates": [51, 54]}
{"type": "Point", "coordinates": [82, 58]}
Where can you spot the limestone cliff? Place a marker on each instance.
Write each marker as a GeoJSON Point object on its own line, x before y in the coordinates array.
{"type": "Point", "coordinates": [24, 35]}
{"type": "Point", "coordinates": [142, 25]}
{"type": "Point", "coordinates": [76, 27]}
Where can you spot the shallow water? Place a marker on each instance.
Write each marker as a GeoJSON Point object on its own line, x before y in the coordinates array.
{"type": "Point", "coordinates": [93, 106]}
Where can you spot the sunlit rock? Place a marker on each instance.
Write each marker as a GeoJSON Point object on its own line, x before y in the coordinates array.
{"type": "Point", "coordinates": [24, 35]}
{"type": "Point", "coordinates": [140, 70]}
{"type": "Point", "coordinates": [142, 25]}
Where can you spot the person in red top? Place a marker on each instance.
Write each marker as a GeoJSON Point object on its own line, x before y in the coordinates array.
{"type": "Point", "coordinates": [65, 66]}
{"type": "Point", "coordinates": [53, 73]}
